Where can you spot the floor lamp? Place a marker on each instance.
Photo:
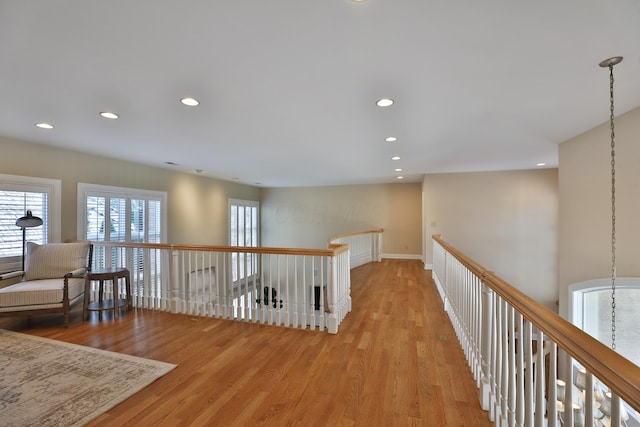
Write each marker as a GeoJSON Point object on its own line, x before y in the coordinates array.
{"type": "Point", "coordinates": [27, 221]}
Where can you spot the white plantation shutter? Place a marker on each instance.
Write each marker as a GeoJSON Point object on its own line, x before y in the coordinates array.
{"type": "Point", "coordinates": [132, 216]}
{"type": "Point", "coordinates": [15, 204]}
{"type": "Point", "coordinates": [154, 221]}
{"type": "Point", "coordinates": [243, 231]}
{"type": "Point", "coordinates": [18, 195]}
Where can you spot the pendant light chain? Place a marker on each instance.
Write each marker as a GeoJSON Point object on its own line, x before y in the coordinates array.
{"type": "Point", "coordinates": [610, 63]}
{"type": "Point", "coordinates": [613, 213]}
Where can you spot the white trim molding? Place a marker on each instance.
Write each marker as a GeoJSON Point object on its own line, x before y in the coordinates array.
{"type": "Point", "coordinates": [403, 256]}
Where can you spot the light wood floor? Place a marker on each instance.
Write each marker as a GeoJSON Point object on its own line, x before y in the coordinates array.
{"type": "Point", "coordinates": [394, 362]}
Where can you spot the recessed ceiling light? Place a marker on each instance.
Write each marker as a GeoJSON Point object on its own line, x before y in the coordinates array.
{"type": "Point", "coordinates": [235, 179]}
{"type": "Point", "coordinates": [44, 125]}
{"type": "Point", "coordinates": [400, 177]}
{"type": "Point", "coordinates": [541, 164]}
{"type": "Point", "coordinates": [395, 158]}
{"type": "Point", "coordinates": [384, 102]}
{"type": "Point", "coordinates": [109, 115]}
{"type": "Point", "coordinates": [171, 163]}
{"type": "Point", "coordinates": [191, 102]}
{"type": "Point", "coordinates": [391, 139]}
{"type": "Point", "coordinates": [398, 169]}
{"type": "Point", "coordinates": [199, 171]}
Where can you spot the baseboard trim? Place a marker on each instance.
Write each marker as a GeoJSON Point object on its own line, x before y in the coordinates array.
{"type": "Point", "coordinates": [403, 256]}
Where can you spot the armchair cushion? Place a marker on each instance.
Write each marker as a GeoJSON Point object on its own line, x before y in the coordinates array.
{"type": "Point", "coordinates": [39, 293]}
{"type": "Point", "coordinates": [54, 260]}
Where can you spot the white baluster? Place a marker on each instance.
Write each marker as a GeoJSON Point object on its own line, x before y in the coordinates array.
{"type": "Point", "coordinates": [219, 280]}
{"type": "Point", "coordinates": [504, 388]}
{"type": "Point", "coordinates": [175, 300]}
{"type": "Point", "coordinates": [485, 391]}
{"type": "Point", "coordinates": [528, 379]}
{"type": "Point", "coordinates": [287, 297]}
{"type": "Point", "coordinates": [304, 306]}
{"type": "Point", "coordinates": [520, 366]}
{"type": "Point", "coordinates": [540, 382]}
{"type": "Point", "coordinates": [332, 324]}
{"type": "Point", "coordinates": [512, 395]}
{"type": "Point", "coordinates": [497, 360]}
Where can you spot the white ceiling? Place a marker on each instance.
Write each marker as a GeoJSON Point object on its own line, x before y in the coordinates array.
{"type": "Point", "coordinates": [288, 87]}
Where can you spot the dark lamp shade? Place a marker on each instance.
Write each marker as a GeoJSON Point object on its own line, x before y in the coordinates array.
{"type": "Point", "coordinates": [28, 221]}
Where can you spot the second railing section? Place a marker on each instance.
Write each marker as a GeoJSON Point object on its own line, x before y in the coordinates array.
{"type": "Point", "coordinates": [532, 367]}
{"type": "Point", "coordinates": [300, 288]}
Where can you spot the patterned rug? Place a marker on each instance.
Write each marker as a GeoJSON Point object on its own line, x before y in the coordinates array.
{"type": "Point", "coordinates": [51, 383]}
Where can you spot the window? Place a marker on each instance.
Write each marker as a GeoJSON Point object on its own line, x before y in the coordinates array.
{"type": "Point", "coordinates": [590, 307]}
{"type": "Point", "coordinates": [243, 231]}
{"type": "Point", "coordinates": [120, 215]}
{"type": "Point", "coordinates": [590, 310]}
{"type": "Point", "coordinates": [18, 194]}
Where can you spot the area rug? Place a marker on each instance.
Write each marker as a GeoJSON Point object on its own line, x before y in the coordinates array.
{"type": "Point", "coordinates": [44, 382]}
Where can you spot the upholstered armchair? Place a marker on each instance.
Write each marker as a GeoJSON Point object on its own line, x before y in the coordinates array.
{"type": "Point", "coordinates": [52, 282]}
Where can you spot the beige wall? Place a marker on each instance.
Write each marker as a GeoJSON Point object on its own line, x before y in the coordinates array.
{"type": "Point", "coordinates": [197, 207]}
{"type": "Point", "coordinates": [307, 216]}
{"type": "Point", "coordinates": [506, 221]}
{"type": "Point", "coordinates": [585, 204]}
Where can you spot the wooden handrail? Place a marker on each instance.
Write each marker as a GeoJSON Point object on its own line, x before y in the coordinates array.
{"type": "Point", "coordinates": [617, 372]}
{"type": "Point", "coordinates": [354, 233]}
{"type": "Point", "coordinates": [333, 248]}
{"type": "Point", "coordinates": [332, 251]}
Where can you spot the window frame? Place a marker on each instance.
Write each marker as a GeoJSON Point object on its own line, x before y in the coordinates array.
{"type": "Point", "coordinates": [578, 292]}
{"type": "Point", "coordinates": [53, 188]}
{"type": "Point", "coordinates": [246, 204]}
{"type": "Point", "coordinates": [95, 190]}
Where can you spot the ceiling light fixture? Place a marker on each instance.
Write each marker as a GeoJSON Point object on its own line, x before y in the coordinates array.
{"type": "Point", "coordinates": [109, 115]}
{"type": "Point", "coordinates": [400, 177]}
{"type": "Point", "coordinates": [391, 139]}
{"type": "Point", "coordinates": [171, 163]}
{"type": "Point", "coordinates": [44, 125]}
{"type": "Point", "coordinates": [398, 169]}
{"type": "Point", "coordinates": [395, 158]}
{"type": "Point", "coordinates": [541, 164]}
{"type": "Point", "coordinates": [190, 102]}
{"type": "Point", "coordinates": [384, 102]}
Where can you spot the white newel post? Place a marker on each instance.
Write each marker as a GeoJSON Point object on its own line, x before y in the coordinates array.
{"type": "Point", "coordinates": [485, 386]}
{"type": "Point", "coordinates": [379, 248]}
{"type": "Point", "coordinates": [175, 299]}
{"type": "Point", "coordinates": [332, 323]}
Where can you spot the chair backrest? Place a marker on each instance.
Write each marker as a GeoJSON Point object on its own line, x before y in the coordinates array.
{"type": "Point", "coordinates": [54, 260]}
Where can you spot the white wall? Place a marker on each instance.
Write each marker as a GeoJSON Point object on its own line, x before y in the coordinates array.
{"type": "Point", "coordinates": [505, 221]}
{"type": "Point", "coordinates": [197, 206]}
{"type": "Point", "coordinates": [585, 204]}
{"type": "Point", "coordinates": [308, 216]}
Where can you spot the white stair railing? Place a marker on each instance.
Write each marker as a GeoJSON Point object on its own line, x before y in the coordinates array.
{"type": "Point", "coordinates": [532, 367]}
{"type": "Point", "coordinates": [300, 288]}
{"type": "Point", "coordinates": [364, 246]}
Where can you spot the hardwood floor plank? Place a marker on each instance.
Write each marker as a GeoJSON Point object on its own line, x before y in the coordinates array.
{"type": "Point", "coordinates": [394, 362]}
